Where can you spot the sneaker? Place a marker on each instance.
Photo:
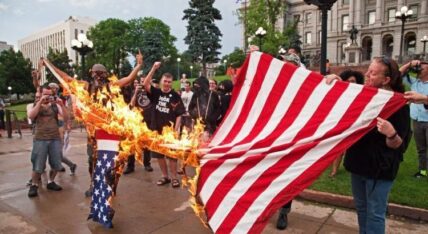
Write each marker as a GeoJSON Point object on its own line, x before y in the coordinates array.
{"type": "Point", "coordinates": [73, 169]}
{"type": "Point", "coordinates": [282, 222]}
{"type": "Point", "coordinates": [62, 169]}
{"type": "Point", "coordinates": [53, 186]}
{"type": "Point", "coordinates": [128, 170]}
{"type": "Point", "coordinates": [148, 168]}
{"type": "Point", "coordinates": [419, 175]}
{"type": "Point", "coordinates": [33, 191]}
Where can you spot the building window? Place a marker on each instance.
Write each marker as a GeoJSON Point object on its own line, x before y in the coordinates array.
{"type": "Point", "coordinates": [391, 14]}
{"type": "Point", "coordinates": [296, 18]}
{"type": "Point", "coordinates": [371, 17]}
{"type": "Point", "coordinates": [345, 22]}
{"type": "Point", "coordinates": [414, 8]}
{"type": "Point", "coordinates": [308, 38]}
{"type": "Point", "coordinates": [345, 2]}
{"type": "Point", "coordinates": [308, 18]}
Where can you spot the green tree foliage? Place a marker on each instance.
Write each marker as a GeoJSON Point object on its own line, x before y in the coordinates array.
{"type": "Point", "coordinates": [265, 13]}
{"type": "Point", "coordinates": [152, 37]}
{"type": "Point", "coordinates": [203, 36]}
{"type": "Point", "coordinates": [15, 71]}
{"type": "Point", "coordinates": [233, 60]}
{"type": "Point", "coordinates": [109, 38]}
{"type": "Point", "coordinates": [61, 61]}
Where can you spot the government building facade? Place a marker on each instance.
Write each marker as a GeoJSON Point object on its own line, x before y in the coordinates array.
{"type": "Point", "coordinates": [379, 32]}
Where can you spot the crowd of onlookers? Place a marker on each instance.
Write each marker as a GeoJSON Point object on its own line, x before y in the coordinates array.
{"type": "Point", "coordinates": [373, 160]}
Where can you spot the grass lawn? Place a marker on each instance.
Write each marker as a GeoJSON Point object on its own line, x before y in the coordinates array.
{"type": "Point", "coordinates": [20, 110]}
{"type": "Point", "coordinates": [406, 189]}
{"type": "Point", "coordinates": [176, 83]}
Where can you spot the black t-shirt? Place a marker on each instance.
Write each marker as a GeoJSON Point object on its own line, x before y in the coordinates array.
{"type": "Point", "coordinates": [143, 102]}
{"type": "Point", "coordinates": [371, 157]}
{"type": "Point", "coordinates": [166, 107]}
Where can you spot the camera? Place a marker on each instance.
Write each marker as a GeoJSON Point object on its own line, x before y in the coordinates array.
{"type": "Point", "coordinates": [52, 98]}
{"type": "Point", "coordinates": [416, 69]}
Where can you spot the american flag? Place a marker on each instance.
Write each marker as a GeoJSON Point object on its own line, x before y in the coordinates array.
{"type": "Point", "coordinates": [104, 178]}
{"type": "Point", "coordinates": [284, 127]}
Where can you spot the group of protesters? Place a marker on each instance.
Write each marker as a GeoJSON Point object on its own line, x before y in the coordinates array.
{"type": "Point", "coordinates": [373, 160]}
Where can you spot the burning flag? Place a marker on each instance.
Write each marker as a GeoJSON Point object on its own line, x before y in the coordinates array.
{"type": "Point", "coordinates": [105, 178]}
{"type": "Point", "coordinates": [284, 127]}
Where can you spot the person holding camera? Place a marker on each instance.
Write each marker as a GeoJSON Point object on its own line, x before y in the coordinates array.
{"type": "Point", "coordinates": [415, 74]}
{"type": "Point", "coordinates": [47, 140]}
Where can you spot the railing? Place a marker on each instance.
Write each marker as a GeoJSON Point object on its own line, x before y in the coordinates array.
{"type": "Point", "coordinates": [12, 122]}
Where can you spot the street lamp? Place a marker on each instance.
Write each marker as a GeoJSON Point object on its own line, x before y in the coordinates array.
{"type": "Point", "coordinates": [260, 33]}
{"type": "Point", "coordinates": [403, 15]}
{"type": "Point", "coordinates": [225, 65]}
{"type": "Point", "coordinates": [191, 70]}
{"type": "Point", "coordinates": [324, 6]}
{"type": "Point", "coordinates": [83, 46]}
{"type": "Point", "coordinates": [424, 40]}
{"type": "Point", "coordinates": [178, 68]}
{"type": "Point", "coordinates": [9, 88]}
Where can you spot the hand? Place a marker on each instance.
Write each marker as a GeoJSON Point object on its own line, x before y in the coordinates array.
{"type": "Point", "coordinates": [41, 63]}
{"type": "Point", "coordinates": [253, 48]}
{"type": "Point", "coordinates": [35, 75]}
{"type": "Point", "coordinates": [414, 63]}
{"type": "Point", "coordinates": [416, 97]}
{"type": "Point", "coordinates": [59, 102]}
{"type": "Point", "coordinates": [156, 65]}
{"type": "Point", "coordinates": [385, 127]}
{"type": "Point", "coordinates": [329, 78]}
{"type": "Point", "coordinates": [44, 98]}
{"type": "Point", "coordinates": [139, 58]}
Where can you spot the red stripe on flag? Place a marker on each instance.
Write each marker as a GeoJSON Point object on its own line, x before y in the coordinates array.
{"type": "Point", "coordinates": [103, 135]}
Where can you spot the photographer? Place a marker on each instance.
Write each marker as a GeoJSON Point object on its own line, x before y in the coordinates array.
{"type": "Point", "coordinates": [46, 141]}
{"type": "Point", "coordinates": [418, 112]}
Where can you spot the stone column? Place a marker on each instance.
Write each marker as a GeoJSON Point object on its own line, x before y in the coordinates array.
{"type": "Point", "coordinates": [423, 9]}
{"type": "Point", "coordinates": [351, 13]}
{"type": "Point", "coordinates": [379, 12]}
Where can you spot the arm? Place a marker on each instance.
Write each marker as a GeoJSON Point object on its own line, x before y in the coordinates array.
{"type": "Point", "coordinates": [415, 97]}
{"type": "Point", "coordinates": [405, 67]}
{"type": "Point", "coordinates": [35, 110]}
{"type": "Point", "coordinates": [148, 80]}
{"type": "Point", "coordinates": [393, 140]}
{"type": "Point", "coordinates": [177, 123]}
{"type": "Point", "coordinates": [62, 110]}
{"type": "Point", "coordinates": [134, 97]}
{"type": "Point", "coordinates": [127, 80]}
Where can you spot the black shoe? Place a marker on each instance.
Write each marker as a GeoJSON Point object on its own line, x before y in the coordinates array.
{"type": "Point", "coordinates": [282, 222]}
{"type": "Point", "coordinates": [62, 169]}
{"type": "Point", "coordinates": [33, 191]}
{"type": "Point", "coordinates": [148, 168]}
{"type": "Point", "coordinates": [53, 186]}
{"type": "Point", "coordinates": [30, 182]}
{"type": "Point", "coordinates": [73, 169]}
{"type": "Point", "coordinates": [128, 170]}
{"type": "Point", "coordinates": [419, 175]}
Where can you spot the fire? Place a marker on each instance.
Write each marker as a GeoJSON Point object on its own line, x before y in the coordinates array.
{"type": "Point", "coordinates": [107, 110]}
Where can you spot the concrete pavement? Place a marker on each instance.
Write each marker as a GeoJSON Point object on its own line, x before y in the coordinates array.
{"type": "Point", "coordinates": [141, 206]}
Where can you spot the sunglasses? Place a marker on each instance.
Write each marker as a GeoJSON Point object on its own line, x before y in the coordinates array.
{"type": "Point", "coordinates": [387, 62]}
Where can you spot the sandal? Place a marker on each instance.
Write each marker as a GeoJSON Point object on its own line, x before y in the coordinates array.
{"type": "Point", "coordinates": [163, 181]}
{"type": "Point", "coordinates": [175, 183]}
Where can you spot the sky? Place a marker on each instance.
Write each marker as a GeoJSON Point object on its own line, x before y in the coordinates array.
{"type": "Point", "coordinates": [20, 18]}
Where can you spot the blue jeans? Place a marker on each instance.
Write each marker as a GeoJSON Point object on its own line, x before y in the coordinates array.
{"type": "Point", "coordinates": [371, 200]}
{"type": "Point", "coordinates": [40, 152]}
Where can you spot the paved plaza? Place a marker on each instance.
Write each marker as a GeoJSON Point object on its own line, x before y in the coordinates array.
{"type": "Point", "coordinates": [141, 206]}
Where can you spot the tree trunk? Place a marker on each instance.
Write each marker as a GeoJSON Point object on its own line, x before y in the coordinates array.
{"type": "Point", "coordinates": [204, 69]}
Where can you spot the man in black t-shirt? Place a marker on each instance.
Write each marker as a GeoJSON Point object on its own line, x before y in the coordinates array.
{"type": "Point", "coordinates": [167, 109]}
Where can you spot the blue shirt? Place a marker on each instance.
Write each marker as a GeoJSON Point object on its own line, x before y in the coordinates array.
{"type": "Point", "coordinates": [417, 111]}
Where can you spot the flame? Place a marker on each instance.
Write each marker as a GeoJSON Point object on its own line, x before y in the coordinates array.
{"type": "Point", "coordinates": [107, 110]}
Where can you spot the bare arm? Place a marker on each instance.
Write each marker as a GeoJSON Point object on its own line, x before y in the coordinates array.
{"type": "Point", "coordinates": [127, 80]}
{"type": "Point", "coordinates": [393, 140]}
{"type": "Point", "coordinates": [405, 67]}
{"type": "Point", "coordinates": [177, 123]}
{"type": "Point", "coordinates": [32, 114]}
{"type": "Point", "coordinates": [148, 80]}
{"type": "Point", "coordinates": [134, 97]}
{"type": "Point", "coordinates": [63, 110]}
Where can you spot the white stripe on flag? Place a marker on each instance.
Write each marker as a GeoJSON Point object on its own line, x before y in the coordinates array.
{"type": "Point", "coordinates": [107, 145]}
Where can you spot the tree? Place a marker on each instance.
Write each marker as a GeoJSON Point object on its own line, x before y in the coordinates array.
{"type": "Point", "coordinates": [109, 38]}
{"type": "Point", "coordinates": [203, 36]}
{"type": "Point", "coordinates": [236, 58]}
{"type": "Point", "coordinates": [152, 37]}
{"type": "Point", "coordinates": [15, 71]}
{"type": "Point", "coordinates": [61, 61]}
{"type": "Point", "coordinates": [265, 13]}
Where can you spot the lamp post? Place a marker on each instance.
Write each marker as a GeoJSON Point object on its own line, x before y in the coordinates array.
{"type": "Point", "coordinates": [178, 68]}
{"type": "Point", "coordinates": [260, 33]}
{"type": "Point", "coordinates": [83, 46]}
{"type": "Point", "coordinates": [191, 71]}
{"type": "Point", "coordinates": [225, 65]}
{"type": "Point", "coordinates": [403, 15]}
{"type": "Point", "coordinates": [324, 6]}
{"type": "Point", "coordinates": [9, 88]}
{"type": "Point", "coordinates": [424, 40]}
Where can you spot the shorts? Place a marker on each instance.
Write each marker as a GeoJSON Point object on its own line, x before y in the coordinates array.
{"type": "Point", "coordinates": [46, 149]}
{"type": "Point", "coordinates": [159, 156]}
